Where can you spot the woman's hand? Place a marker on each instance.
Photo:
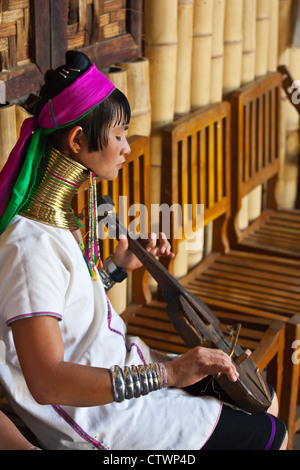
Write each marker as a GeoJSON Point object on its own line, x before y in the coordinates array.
{"type": "Point", "coordinates": [196, 364]}
{"type": "Point", "coordinates": [124, 258]}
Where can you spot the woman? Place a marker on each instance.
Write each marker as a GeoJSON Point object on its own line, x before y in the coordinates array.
{"type": "Point", "coordinates": [70, 363]}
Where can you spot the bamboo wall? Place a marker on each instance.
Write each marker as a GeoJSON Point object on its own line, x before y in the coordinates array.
{"type": "Point", "coordinates": [221, 45]}
{"type": "Point", "coordinates": [194, 51]}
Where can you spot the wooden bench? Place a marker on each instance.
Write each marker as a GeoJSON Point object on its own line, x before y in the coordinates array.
{"type": "Point", "coordinates": [256, 112]}
{"type": "Point", "coordinates": [255, 161]}
{"type": "Point", "coordinates": [231, 281]}
{"type": "Point", "coordinates": [196, 159]}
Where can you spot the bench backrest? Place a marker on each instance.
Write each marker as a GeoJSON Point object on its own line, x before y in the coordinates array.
{"type": "Point", "coordinates": [255, 131]}
{"type": "Point", "coordinates": [195, 170]}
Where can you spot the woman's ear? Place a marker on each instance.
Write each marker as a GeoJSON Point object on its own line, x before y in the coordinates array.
{"type": "Point", "coordinates": [75, 139]}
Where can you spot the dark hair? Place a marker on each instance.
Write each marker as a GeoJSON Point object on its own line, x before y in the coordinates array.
{"type": "Point", "coordinates": [114, 110]}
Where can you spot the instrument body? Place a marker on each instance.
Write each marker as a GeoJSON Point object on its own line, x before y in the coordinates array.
{"type": "Point", "coordinates": [195, 323]}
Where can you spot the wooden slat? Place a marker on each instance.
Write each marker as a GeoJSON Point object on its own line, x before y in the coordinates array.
{"type": "Point", "coordinates": [219, 163]}
{"type": "Point", "coordinates": [210, 165]}
{"type": "Point", "coordinates": [210, 136]}
{"type": "Point", "coordinates": [203, 167]}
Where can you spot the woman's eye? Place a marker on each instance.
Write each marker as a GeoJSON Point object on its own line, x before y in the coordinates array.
{"type": "Point", "coordinates": [118, 137]}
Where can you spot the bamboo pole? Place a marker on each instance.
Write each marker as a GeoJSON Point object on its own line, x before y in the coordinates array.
{"type": "Point", "coordinates": [290, 170]}
{"type": "Point", "coordinates": [202, 53]}
{"type": "Point", "coordinates": [161, 50]}
{"type": "Point", "coordinates": [287, 56]}
{"type": "Point", "coordinates": [253, 22]}
{"type": "Point", "coordinates": [21, 114]}
{"type": "Point", "coordinates": [232, 70]}
{"type": "Point", "coordinates": [216, 95]}
{"type": "Point", "coordinates": [262, 37]}
{"type": "Point", "coordinates": [265, 47]}
{"type": "Point", "coordinates": [184, 56]}
{"type": "Point", "coordinates": [233, 41]}
{"type": "Point", "coordinates": [249, 41]}
{"type": "Point", "coordinates": [138, 93]}
{"type": "Point", "coordinates": [208, 87]}
{"type": "Point", "coordinates": [160, 40]}
{"type": "Point", "coordinates": [118, 296]}
{"type": "Point", "coordinates": [160, 47]}
{"type": "Point", "coordinates": [217, 52]}
{"type": "Point", "coordinates": [118, 76]}
{"type": "Point", "coordinates": [284, 32]}
{"type": "Point", "coordinates": [273, 35]}
{"type": "Point", "coordinates": [284, 42]}
{"type": "Point", "coordinates": [8, 131]}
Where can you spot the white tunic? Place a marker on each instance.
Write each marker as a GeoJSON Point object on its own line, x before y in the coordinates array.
{"type": "Point", "coordinates": [42, 271]}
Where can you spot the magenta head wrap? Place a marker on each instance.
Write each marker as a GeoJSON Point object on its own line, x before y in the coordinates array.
{"type": "Point", "coordinates": [18, 175]}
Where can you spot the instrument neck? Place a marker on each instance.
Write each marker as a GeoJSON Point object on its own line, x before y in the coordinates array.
{"type": "Point", "coordinates": [170, 286]}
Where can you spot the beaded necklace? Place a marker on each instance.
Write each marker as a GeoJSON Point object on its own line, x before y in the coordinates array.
{"type": "Point", "coordinates": [92, 250]}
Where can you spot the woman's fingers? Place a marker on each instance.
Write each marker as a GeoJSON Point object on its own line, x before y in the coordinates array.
{"type": "Point", "coordinates": [197, 363]}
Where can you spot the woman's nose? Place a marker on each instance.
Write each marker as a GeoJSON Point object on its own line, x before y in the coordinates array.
{"type": "Point", "coordinates": [127, 148]}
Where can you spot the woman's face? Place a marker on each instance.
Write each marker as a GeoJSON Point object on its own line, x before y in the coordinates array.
{"type": "Point", "coordinates": [104, 163]}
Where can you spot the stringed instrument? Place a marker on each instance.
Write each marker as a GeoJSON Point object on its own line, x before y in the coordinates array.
{"type": "Point", "coordinates": [194, 322]}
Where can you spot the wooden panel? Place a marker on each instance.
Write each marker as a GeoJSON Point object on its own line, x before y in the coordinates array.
{"type": "Point", "coordinates": [255, 140]}
{"type": "Point", "coordinates": [197, 148]}
{"type": "Point", "coordinates": [14, 34]}
{"type": "Point", "coordinates": [108, 31]}
{"type": "Point", "coordinates": [23, 25]}
{"type": "Point", "coordinates": [91, 21]}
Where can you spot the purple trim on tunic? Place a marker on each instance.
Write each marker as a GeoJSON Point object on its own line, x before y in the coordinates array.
{"type": "Point", "coordinates": [34, 314]}
{"type": "Point", "coordinates": [272, 432]}
{"type": "Point", "coordinates": [69, 420]}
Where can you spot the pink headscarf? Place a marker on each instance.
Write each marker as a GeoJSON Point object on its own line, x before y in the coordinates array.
{"type": "Point", "coordinates": [89, 90]}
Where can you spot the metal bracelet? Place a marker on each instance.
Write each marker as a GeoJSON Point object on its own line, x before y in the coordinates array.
{"type": "Point", "coordinates": [154, 377]}
{"type": "Point", "coordinates": [149, 377]}
{"type": "Point", "coordinates": [134, 381]}
{"type": "Point", "coordinates": [129, 386]}
{"type": "Point", "coordinates": [118, 383]}
{"type": "Point", "coordinates": [143, 379]}
{"type": "Point", "coordinates": [107, 281]}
